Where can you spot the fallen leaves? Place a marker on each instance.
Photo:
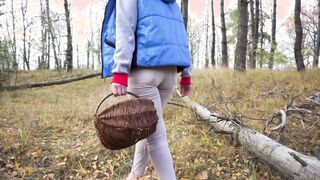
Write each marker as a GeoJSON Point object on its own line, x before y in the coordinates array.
{"type": "Point", "coordinates": [35, 153]}
{"type": "Point", "coordinates": [61, 165]}
{"type": "Point", "coordinates": [57, 139]}
{"type": "Point", "coordinates": [203, 175]}
{"type": "Point", "coordinates": [48, 176]}
{"type": "Point", "coordinates": [17, 166]}
{"type": "Point", "coordinates": [27, 171]}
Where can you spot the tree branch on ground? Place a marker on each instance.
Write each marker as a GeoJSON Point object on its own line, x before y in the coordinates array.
{"type": "Point", "coordinates": [48, 83]}
{"type": "Point", "coordinates": [291, 164]}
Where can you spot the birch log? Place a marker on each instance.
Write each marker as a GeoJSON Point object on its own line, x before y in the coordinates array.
{"type": "Point", "coordinates": [48, 83]}
{"type": "Point", "coordinates": [291, 164]}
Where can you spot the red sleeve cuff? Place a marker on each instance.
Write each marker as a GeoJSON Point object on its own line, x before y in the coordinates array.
{"type": "Point", "coordinates": [185, 81]}
{"type": "Point", "coordinates": [120, 78]}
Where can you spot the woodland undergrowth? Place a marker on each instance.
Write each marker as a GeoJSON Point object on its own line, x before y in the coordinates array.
{"type": "Point", "coordinates": [48, 133]}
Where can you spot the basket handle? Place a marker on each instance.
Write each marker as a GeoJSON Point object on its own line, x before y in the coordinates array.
{"type": "Point", "coordinates": [109, 95]}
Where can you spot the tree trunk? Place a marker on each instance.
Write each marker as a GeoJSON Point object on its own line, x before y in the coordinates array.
{"type": "Point", "coordinates": [56, 43]}
{"type": "Point", "coordinates": [255, 16]}
{"type": "Point", "coordinates": [317, 46]}
{"type": "Point", "coordinates": [69, 51]}
{"type": "Point", "coordinates": [99, 48]}
{"type": "Point", "coordinates": [213, 45]}
{"type": "Point", "coordinates": [29, 46]}
{"type": "Point", "coordinates": [78, 63]}
{"type": "Point", "coordinates": [2, 3]}
{"type": "Point", "coordinates": [56, 59]}
{"type": "Point", "coordinates": [53, 39]}
{"type": "Point", "coordinates": [49, 31]}
{"type": "Point", "coordinates": [92, 42]}
{"type": "Point", "coordinates": [224, 36]}
{"type": "Point", "coordinates": [48, 53]}
{"type": "Point", "coordinates": [185, 12]}
{"type": "Point", "coordinates": [92, 57]}
{"type": "Point", "coordinates": [252, 26]}
{"type": "Point", "coordinates": [291, 164]}
{"type": "Point", "coordinates": [43, 37]}
{"type": "Point", "coordinates": [14, 41]}
{"type": "Point", "coordinates": [24, 49]}
{"type": "Point", "coordinates": [241, 47]}
{"type": "Point", "coordinates": [256, 34]}
{"type": "Point", "coordinates": [99, 54]}
{"type": "Point", "coordinates": [88, 53]}
{"type": "Point", "coordinates": [261, 34]}
{"type": "Point", "coordinates": [273, 35]}
{"type": "Point", "coordinates": [207, 35]}
{"type": "Point", "coordinates": [24, 7]}
{"type": "Point", "coordinates": [298, 40]}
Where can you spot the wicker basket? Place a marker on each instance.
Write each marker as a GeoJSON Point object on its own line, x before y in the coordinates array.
{"type": "Point", "coordinates": [124, 124]}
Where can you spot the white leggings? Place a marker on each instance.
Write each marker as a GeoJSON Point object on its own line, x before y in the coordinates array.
{"type": "Point", "coordinates": [157, 85]}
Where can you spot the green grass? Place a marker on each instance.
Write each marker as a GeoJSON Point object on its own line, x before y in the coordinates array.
{"type": "Point", "coordinates": [48, 132]}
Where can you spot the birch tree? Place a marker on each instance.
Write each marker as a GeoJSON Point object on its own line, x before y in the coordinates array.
{"type": "Point", "coordinates": [185, 12]}
{"type": "Point", "coordinates": [69, 51]}
{"type": "Point", "coordinates": [2, 3]}
{"type": "Point", "coordinates": [317, 45]}
{"type": "Point", "coordinates": [88, 46]}
{"type": "Point", "coordinates": [255, 21]}
{"type": "Point", "coordinates": [213, 62]}
{"type": "Point", "coordinates": [78, 59]}
{"type": "Point", "coordinates": [44, 35]}
{"type": "Point", "coordinates": [195, 39]}
{"type": "Point", "coordinates": [273, 35]}
{"type": "Point", "coordinates": [14, 39]}
{"type": "Point", "coordinates": [256, 33]}
{"type": "Point", "coordinates": [25, 26]}
{"type": "Point", "coordinates": [92, 41]}
{"type": "Point", "coordinates": [49, 27]}
{"type": "Point", "coordinates": [3, 49]}
{"type": "Point", "coordinates": [207, 35]}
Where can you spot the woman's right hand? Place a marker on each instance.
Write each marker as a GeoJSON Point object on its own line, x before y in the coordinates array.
{"type": "Point", "coordinates": [118, 89]}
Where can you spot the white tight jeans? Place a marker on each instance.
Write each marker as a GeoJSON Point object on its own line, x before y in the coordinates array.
{"type": "Point", "coordinates": [157, 85]}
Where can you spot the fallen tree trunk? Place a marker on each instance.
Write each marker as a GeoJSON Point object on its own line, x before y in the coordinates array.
{"type": "Point", "coordinates": [48, 83]}
{"type": "Point", "coordinates": [291, 164]}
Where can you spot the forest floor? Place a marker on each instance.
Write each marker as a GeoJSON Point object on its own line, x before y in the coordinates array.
{"type": "Point", "coordinates": [48, 133]}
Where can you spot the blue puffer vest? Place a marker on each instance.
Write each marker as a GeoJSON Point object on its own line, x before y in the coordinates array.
{"type": "Point", "coordinates": [161, 39]}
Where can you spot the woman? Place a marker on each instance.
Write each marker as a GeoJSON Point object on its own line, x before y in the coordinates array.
{"type": "Point", "coordinates": [151, 47]}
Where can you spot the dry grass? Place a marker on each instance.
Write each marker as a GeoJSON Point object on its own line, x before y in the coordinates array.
{"type": "Point", "coordinates": [48, 132]}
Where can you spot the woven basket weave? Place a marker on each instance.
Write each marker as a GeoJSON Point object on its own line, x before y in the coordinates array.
{"type": "Point", "coordinates": [125, 123]}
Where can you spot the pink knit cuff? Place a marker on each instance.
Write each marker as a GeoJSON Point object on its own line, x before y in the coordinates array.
{"type": "Point", "coordinates": [120, 78]}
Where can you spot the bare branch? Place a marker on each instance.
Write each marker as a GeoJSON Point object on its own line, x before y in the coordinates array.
{"type": "Point", "coordinates": [283, 120]}
{"type": "Point", "coordinates": [176, 104]}
{"type": "Point", "coordinates": [313, 101]}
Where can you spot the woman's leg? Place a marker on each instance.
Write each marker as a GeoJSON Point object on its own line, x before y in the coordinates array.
{"type": "Point", "coordinates": [158, 146]}
{"type": "Point", "coordinates": [141, 157]}
{"type": "Point", "coordinates": [142, 82]}
{"type": "Point", "coordinates": [145, 82]}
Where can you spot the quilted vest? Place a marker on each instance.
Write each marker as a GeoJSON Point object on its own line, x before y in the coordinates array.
{"type": "Point", "coordinates": [161, 38]}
